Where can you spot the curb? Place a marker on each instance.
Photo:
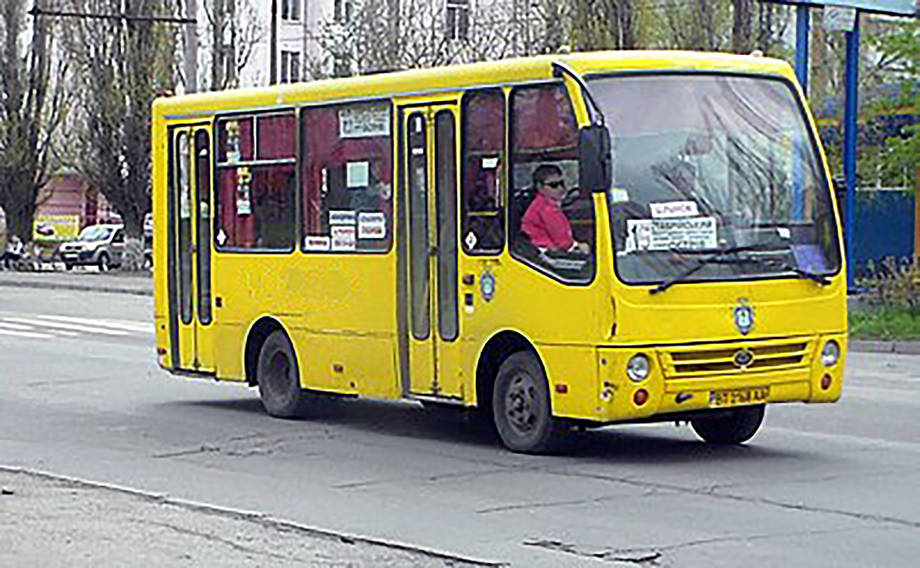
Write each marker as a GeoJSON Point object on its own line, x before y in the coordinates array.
{"type": "Point", "coordinates": [77, 287]}
{"type": "Point", "coordinates": [876, 346]}
{"type": "Point", "coordinates": [253, 516]}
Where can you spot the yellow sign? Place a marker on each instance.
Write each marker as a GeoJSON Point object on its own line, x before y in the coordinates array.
{"type": "Point", "coordinates": [56, 227]}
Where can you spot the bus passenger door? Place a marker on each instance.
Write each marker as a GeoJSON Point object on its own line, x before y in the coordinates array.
{"type": "Point", "coordinates": [189, 256]}
{"type": "Point", "coordinates": [429, 192]}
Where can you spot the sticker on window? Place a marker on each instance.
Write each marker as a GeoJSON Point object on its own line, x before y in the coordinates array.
{"type": "Point", "coordinates": [490, 163]}
{"type": "Point", "coordinates": [357, 174]}
{"type": "Point", "coordinates": [672, 209]}
{"type": "Point", "coordinates": [342, 217]}
{"type": "Point", "coordinates": [364, 121]}
{"type": "Point", "coordinates": [618, 195]}
{"type": "Point", "coordinates": [372, 225]}
{"type": "Point", "coordinates": [312, 242]}
{"type": "Point", "coordinates": [343, 237]}
{"type": "Point", "coordinates": [663, 234]}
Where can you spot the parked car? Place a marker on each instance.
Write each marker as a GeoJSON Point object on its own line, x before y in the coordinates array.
{"type": "Point", "coordinates": [102, 245]}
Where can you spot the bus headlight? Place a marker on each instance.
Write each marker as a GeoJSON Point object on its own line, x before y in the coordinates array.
{"type": "Point", "coordinates": [637, 368]}
{"type": "Point", "coordinates": [830, 354]}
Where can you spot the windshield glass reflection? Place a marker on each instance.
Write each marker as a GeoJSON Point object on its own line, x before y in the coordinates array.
{"type": "Point", "coordinates": [708, 164]}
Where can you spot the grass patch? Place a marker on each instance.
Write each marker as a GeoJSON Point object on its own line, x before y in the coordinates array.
{"type": "Point", "coordinates": [884, 323]}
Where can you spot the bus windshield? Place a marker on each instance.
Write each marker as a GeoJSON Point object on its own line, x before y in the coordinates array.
{"type": "Point", "coordinates": [715, 178]}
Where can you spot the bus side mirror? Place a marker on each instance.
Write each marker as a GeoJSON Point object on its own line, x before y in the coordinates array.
{"type": "Point", "coordinates": [595, 171]}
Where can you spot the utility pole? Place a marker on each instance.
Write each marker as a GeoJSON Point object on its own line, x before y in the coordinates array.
{"type": "Point", "coordinates": [273, 45]}
{"type": "Point", "coordinates": [191, 46]}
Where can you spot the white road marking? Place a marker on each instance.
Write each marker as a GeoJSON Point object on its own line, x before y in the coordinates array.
{"type": "Point", "coordinates": [16, 326]}
{"type": "Point", "coordinates": [67, 326]}
{"type": "Point", "coordinates": [27, 334]}
{"type": "Point", "coordinates": [124, 325]}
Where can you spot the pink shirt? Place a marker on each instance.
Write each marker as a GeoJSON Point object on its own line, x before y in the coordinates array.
{"type": "Point", "coordinates": [546, 225]}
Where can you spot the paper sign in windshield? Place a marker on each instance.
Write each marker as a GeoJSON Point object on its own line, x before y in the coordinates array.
{"type": "Point", "coordinates": [662, 234]}
{"type": "Point", "coordinates": [671, 209]}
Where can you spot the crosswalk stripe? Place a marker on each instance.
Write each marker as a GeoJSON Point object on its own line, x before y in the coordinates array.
{"type": "Point", "coordinates": [15, 326]}
{"type": "Point", "coordinates": [107, 323]}
{"type": "Point", "coordinates": [67, 326]}
{"type": "Point", "coordinates": [27, 334]}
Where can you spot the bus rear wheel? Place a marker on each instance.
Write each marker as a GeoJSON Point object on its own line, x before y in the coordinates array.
{"type": "Point", "coordinates": [521, 406]}
{"type": "Point", "coordinates": [279, 378]}
{"type": "Point", "coordinates": [733, 426]}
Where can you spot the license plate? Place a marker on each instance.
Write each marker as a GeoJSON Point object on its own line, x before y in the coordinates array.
{"type": "Point", "coordinates": [738, 397]}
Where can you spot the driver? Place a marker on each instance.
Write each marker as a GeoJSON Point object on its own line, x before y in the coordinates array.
{"type": "Point", "coordinates": [544, 222]}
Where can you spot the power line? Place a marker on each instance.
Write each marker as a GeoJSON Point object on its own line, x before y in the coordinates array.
{"type": "Point", "coordinates": [37, 12]}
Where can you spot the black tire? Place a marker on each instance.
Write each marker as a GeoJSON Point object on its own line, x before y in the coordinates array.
{"type": "Point", "coordinates": [521, 406]}
{"type": "Point", "coordinates": [279, 378]}
{"type": "Point", "coordinates": [733, 426]}
{"type": "Point", "coordinates": [104, 262]}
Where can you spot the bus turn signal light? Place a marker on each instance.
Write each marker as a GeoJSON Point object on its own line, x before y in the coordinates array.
{"type": "Point", "coordinates": [641, 397]}
{"type": "Point", "coordinates": [826, 382]}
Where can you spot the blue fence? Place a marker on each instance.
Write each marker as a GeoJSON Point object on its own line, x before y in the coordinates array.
{"type": "Point", "coordinates": [884, 227]}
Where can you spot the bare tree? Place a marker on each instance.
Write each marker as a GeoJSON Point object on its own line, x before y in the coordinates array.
{"type": "Point", "coordinates": [120, 65]}
{"type": "Point", "coordinates": [233, 31]}
{"type": "Point", "coordinates": [32, 107]}
{"type": "Point", "coordinates": [605, 24]}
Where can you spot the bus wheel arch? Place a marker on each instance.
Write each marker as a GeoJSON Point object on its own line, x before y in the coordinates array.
{"type": "Point", "coordinates": [498, 348]}
{"type": "Point", "coordinates": [256, 337]}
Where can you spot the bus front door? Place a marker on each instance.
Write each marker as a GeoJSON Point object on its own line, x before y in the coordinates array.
{"type": "Point", "coordinates": [189, 257]}
{"type": "Point", "coordinates": [429, 195]}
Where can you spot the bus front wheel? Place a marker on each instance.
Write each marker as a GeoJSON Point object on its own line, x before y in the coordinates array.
{"type": "Point", "coordinates": [521, 406]}
{"type": "Point", "coordinates": [733, 426]}
{"type": "Point", "coordinates": [279, 378]}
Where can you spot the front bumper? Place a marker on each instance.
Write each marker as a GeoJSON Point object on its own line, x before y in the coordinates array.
{"type": "Point", "coordinates": [684, 377]}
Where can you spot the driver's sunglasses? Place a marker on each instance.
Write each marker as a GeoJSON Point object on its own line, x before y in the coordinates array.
{"type": "Point", "coordinates": [555, 184]}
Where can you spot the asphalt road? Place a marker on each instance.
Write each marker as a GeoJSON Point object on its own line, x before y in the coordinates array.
{"type": "Point", "coordinates": [824, 485]}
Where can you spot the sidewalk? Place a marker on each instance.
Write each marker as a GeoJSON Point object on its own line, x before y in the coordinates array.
{"type": "Point", "coordinates": [137, 283]}
{"type": "Point", "coordinates": [50, 521]}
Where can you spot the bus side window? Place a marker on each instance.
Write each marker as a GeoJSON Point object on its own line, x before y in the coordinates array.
{"type": "Point", "coordinates": [347, 177]}
{"type": "Point", "coordinates": [255, 175]}
{"type": "Point", "coordinates": [483, 229]}
{"type": "Point", "coordinates": [555, 231]}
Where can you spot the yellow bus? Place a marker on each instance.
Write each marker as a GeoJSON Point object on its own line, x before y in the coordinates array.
{"type": "Point", "coordinates": [559, 241]}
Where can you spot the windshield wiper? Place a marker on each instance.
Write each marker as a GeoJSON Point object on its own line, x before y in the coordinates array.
{"type": "Point", "coordinates": [817, 278]}
{"type": "Point", "coordinates": [716, 255]}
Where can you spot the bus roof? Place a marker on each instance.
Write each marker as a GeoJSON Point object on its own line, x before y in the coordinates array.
{"type": "Point", "coordinates": [453, 77]}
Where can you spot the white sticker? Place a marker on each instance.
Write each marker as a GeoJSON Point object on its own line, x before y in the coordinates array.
{"type": "Point", "coordinates": [343, 237]}
{"type": "Point", "coordinates": [618, 195]}
{"type": "Point", "coordinates": [342, 217]}
{"type": "Point", "coordinates": [663, 234]}
{"type": "Point", "coordinates": [311, 242]}
{"type": "Point", "coordinates": [372, 225]}
{"type": "Point", "coordinates": [671, 209]}
{"type": "Point", "coordinates": [784, 233]}
{"type": "Point", "coordinates": [470, 240]}
{"type": "Point", "coordinates": [357, 174]}
{"type": "Point", "coordinates": [364, 121]}
{"type": "Point", "coordinates": [490, 163]}
{"type": "Point", "coordinates": [221, 237]}
{"type": "Point", "coordinates": [243, 207]}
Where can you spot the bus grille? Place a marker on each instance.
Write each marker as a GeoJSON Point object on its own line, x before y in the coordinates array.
{"type": "Point", "coordinates": [697, 361]}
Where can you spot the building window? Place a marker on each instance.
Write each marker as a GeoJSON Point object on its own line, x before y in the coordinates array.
{"type": "Point", "coordinates": [343, 11]}
{"type": "Point", "coordinates": [457, 23]}
{"type": "Point", "coordinates": [290, 10]}
{"type": "Point", "coordinates": [290, 66]}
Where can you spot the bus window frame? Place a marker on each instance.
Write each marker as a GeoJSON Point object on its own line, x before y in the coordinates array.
{"type": "Point", "coordinates": [301, 150]}
{"type": "Point", "coordinates": [217, 165]}
{"type": "Point", "coordinates": [817, 149]}
{"type": "Point", "coordinates": [504, 89]}
{"type": "Point", "coordinates": [510, 137]}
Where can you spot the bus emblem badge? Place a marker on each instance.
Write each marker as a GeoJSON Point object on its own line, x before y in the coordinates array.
{"type": "Point", "coordinates": [487, 285]}
{"type": "Point", "coordinates": [744, 317]}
